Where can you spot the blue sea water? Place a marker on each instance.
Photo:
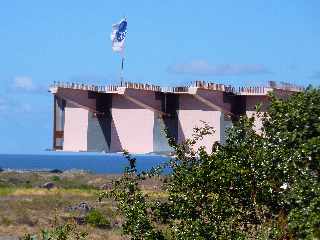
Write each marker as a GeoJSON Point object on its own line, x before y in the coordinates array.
{"type": "Point", "coordinates": [92, 162]}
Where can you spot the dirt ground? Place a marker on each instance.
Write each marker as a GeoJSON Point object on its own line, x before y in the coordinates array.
{"type": "Point", "coordinates": [26, 206]}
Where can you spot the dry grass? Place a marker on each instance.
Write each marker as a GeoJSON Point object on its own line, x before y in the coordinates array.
{"type": "Point", "coordinates": [26, 208]}
{"type": "Point", "coordinates": [52, 192]}
{"type": "Point", "coordinates": [30, 210]}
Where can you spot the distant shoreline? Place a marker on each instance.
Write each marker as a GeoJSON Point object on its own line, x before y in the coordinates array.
{"type": "Point", "coordinates": [91, 163]}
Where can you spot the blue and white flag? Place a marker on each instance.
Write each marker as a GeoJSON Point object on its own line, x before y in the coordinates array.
{"type": "Point", "coordinates": [118, 35]}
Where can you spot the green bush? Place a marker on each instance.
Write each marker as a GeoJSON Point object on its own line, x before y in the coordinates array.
{"type": "Point", "coordinates": [55, 178]}
{"type": "Point", "coordinates": [97, 219]}
{"type": "Point", "coordinates": [62, 232]}
{"type": "Point", "coordinates": [253, 187]}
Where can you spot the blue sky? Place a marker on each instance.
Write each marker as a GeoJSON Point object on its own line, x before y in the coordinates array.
{"type": "Point", "coordinates": [169, 42]}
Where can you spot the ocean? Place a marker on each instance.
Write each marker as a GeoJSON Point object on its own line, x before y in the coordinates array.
{"type": "Point", "coordinates": [92, 162]}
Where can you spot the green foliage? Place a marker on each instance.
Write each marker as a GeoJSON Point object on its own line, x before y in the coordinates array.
{"type": "Point", "coordinates": [293, 132]}
{"type": "Point", "coordinates": [132, 204]}
{"type": "Point", "coordinates": [216, 195]}
{"type": "Point", "coordinates": [55, 178]}
{"type": "Point", "coordinates": [62, 232]}
{"type": "Point", "coordinates": [29, 237]}
{"type": "Point", "coordinates": [97, 219]}
{"type": "Point", "coordinates": [253, 187]}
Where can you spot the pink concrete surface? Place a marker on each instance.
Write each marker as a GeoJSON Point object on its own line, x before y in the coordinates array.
{"type": "Point", "coordinates": [133, 117]}
{"type": "Point", "coordinates": [257, 124]}
{"type": "Point", "coordinates": [75, 129]}
{"type": "Point", "coordinates": [78, 96]}
{"type": "Point", "coordinates": [133, 125]}
{"type": "Point", "coordinates": [283, 94]}
{"type": "Point", "coordinates": [252, 101]}
{"type": "Point", "coordinates": [146, 97]}
{"type": "Point", "coordinates": [190, 114]}
{"type": "Point", "coordinates": [192, 118]}
{"type": "Point", "coordinates": [76, 118]}
{"type": "Point", "coordinates": [188, 102]}
{"type": "Point", "coordinates": [134, 128]}
{"type": "Point", "coordinates": [215, 97]}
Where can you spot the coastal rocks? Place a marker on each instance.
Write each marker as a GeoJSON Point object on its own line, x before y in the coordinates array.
{"type": "Point", "coordinates": [82, 209]}
{"type": "Point", "coordinates": [48, 185]}
{"type": "Point", "coordinates": [106, 186]}
{"type": "Point", "coordinates": [56, 171]}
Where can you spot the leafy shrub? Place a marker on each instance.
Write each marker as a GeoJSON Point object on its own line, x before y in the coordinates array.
{"type": "Point", "coordinates": [97, 219]}
{"type": "Point", "coordinates": [252, 187]}
{"type": "Point", "coordinates": [6, 221]}
{"type": "Point", "coordinates": [55, 178]}
{"type": "Point", "coordinates": [62, 232]}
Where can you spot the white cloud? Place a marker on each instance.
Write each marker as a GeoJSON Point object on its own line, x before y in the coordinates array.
{"type": "Point", "coordinates": [23, 83]}
{"type": "Point", "coordinates": [202, 67]}
{"type": "Point", "coordinates": [26, 84]}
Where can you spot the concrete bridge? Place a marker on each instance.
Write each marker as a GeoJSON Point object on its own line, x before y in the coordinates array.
{"type": "Point", "coordinates": [133, 116]}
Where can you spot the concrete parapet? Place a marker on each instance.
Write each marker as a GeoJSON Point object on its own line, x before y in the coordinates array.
{"type": "Point", "coordinates": [199, 84]}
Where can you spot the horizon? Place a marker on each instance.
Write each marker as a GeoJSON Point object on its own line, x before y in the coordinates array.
{"type": "Point", "coordinates": [168, 43]}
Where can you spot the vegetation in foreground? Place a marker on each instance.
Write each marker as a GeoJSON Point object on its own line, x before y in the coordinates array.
{"type": "Point", "coordinates": [253, 187]}
{"type": "Point", "coordinates": [28, 206]}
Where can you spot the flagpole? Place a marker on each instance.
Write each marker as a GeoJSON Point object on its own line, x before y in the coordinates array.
{"type": "Point", "coordinates": [121, 72]}
{"type": "Point", "coordinates": [122, 58]}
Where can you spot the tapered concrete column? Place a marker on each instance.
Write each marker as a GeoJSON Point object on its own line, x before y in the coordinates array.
{"type": "Point", "coordinates": [58, 122]}
{"type": "Point", "coordinates": [251, 103]}
{"type": "Point", "coordinates": [76, 127]}
{"type": "Point", "coordinates": [134, 113]}
{"type": "Point", "coordinates": [132, 126]}
{"type": "Point", "coordinates": [202, 105]}
{"type": "Point", "coordinates": [191, 113]}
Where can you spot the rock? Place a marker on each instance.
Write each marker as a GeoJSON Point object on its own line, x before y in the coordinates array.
{"type": "Point", "coordinates": [80, 220]}
{"type": "Point", "coordinates": [82, 207]}
{"type": "Point", "coordinates": [56, 171]}
{"type": "Point", "coordinates": [106, 186]}
{"type": "Point", "coordinates": [81, 210]}
{"type": "Point", "coordinates": [48, 185]}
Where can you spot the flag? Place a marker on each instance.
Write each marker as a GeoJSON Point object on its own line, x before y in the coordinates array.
{"type": "Point", "coordinates": [118, 35]}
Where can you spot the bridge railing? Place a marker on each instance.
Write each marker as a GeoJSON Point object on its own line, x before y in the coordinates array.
{"type": "Point", "coordinates": [245, 90]}
{"type": "Point", "coordinates": [86, 87]}
{"type": "Point", "coordinates": [213, 86]}
{"type": "Point", "coordinates": [141, 86]}
{"type": "Point", "coordinates": [253, 90]}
